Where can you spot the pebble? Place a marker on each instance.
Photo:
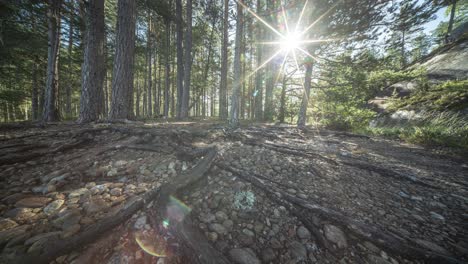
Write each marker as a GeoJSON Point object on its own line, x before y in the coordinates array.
{"type": "Point", "coordinates": [336, 235]}
{"type": "Point", "coordinates": [6, 223]}
{"type": "Point", "coordinates": [53, 207]}
{"type": "Point", "coordinates": [268, 255]}
{"type": "Point", "coordinates": [303, 233]}
{"type": "Point", "coordinates": [33, 202]}
{"type": "Point", "coordinates": [79, 192]}
{"type": "Point", "coordinates": [218, 228]}
{"type": "Point", "coordinates": [243, 256]}
{"type": "Point", "coordinates": [297, 251]}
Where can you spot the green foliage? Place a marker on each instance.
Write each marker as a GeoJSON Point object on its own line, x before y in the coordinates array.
{"type": "Point", "coordinates": [379, 80]}
{"type": "Point", "coordinates": [451, 95]}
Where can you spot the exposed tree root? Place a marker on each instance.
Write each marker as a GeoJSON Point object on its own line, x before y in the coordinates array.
{"type": "Point", "coordinates": [191, 239]}
{"type": "Point", "coordinates": [307, 211]}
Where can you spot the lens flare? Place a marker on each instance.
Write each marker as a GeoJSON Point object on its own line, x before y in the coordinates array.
{"type": "Point", "coordinates": [151, 243]}
{"type": "Point", "coordinates": [177, 210]}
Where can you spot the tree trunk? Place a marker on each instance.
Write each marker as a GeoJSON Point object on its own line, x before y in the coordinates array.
{"type": "Point", "coordinates": [452, 19]}
{"type": "Point", "coordinates": [271, 69]}
{"type": "Point", "coordinates": [302, 119]}
{"type": "Point", "coordinates": [258, 94]}
{"type": "Point", "coordinates": [34, 93]}
{"type": "Point", "coordinates": [188, 63]}
{"type": "Point", "coordinates": [138, 95]}
{"type": "Point", "coordinates": [122, 82]}
{"type": "Point", "coordinates": [68, 90]}
{"type": "Point", "coordinates": [168, 68]}
{"type": "Point", "coordinates": [51, 112]}
{"type": "Point", "coordinates": [149, 52]}
{"type": "Point", "coordinates": [282, 113]}
{"type": "Point", "coordinates": [403, 53]}
{"type": "Point", "coordinates": [234, 115]}
{"type": "Point", "coordinates": [94, 64]}
{"type": "Point", "coordinates": [223, 113]}
{"type": "Point", "coordinates": [180, 57]}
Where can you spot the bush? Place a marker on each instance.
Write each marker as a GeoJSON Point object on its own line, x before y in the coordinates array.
{"type": "Point", "coordinates": [451, 95]}
{"type": "Point", "coordinates": [433, 129]}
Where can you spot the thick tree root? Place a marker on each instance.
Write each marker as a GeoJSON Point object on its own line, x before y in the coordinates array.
{"type": "Point", "coordinates": [307, 212]}
{"type": "Point", "coordinates": [191, 239]}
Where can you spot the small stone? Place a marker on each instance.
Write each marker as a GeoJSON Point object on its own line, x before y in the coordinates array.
{"type": "Point", "coordinates": [221, 216]}
{"type": "Point", "coordinates": [90, 185]}
{"type": "Point", "coordinates": [98, 189]}
{"type": "Point", "coordinates": [33, 202]}
{"type": "Point", "coordinates": [218, 228]}
{"type": "Point", "coordinates": [432, 246]}
{"type": "Point", "coordinates": [12, 233]}
{"type": "Point", "coordinates": [377, 260]}
{"type": "Point", "coordinates": [67, 219]}
{"type": "Point", "coordinates": [70, 231]}
{"type": "Point", "coordinates": [303, 233]}
{"type": "Point", "coordinates": [22, 215]}
{"type": "Point", "coordinates": [53, 207]}
{"type": "Point", "coordinates": [207, 218]}
{"type": "Point", "coordinates": [95, 205]}
{"type": "Point", "coordinates": [6, 223]}
{"type": "Point", "coordinates": [243, 256]}
{"type": "Point", "coordinates": [140, 222]}
{"type": "Point", "coordinates": [437, 216]}
{"type": "Point", "coordinates": [228, 224]}
{"type": "Point", "coordinates": [112, 172]}
{"type": "Point", "coordinates": [116, 192]}
{"type": "Point", "coordinates": [79, 192]}
{"type": "Point", "coordinates": [298, 251]}
{"type": "Point", "coordinates": [268, 255]}
{"type": "Point", "coordinates": [335, 235]}
{"type": "Point", "coordinates": [212, 236]}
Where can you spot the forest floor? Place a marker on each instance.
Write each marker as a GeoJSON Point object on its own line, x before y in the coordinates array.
{"type": "Point", "coordinates": [200, 193]}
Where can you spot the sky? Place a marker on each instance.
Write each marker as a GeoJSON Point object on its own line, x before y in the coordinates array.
{"type": "Point", "coordinates": [433, 24]}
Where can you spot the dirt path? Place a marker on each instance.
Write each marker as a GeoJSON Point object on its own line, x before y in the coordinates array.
{"type": "Point", "coordinates": [271, 195]}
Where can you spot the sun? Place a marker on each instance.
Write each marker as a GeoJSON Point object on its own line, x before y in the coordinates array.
{"type": "Point", "coordinates": [291, 42]}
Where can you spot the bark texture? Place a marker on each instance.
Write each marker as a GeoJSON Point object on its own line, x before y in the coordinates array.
{"type": "Point", "coordinates": [234, 115]}
{"type": "Point", "coordinates": [94, 65]}
{"type": "Point", "coordinates": [302, 119]}
{"type": "Point", "coordinates": [223, 112]}
{"type": "Point", "coordinates": [122, 82]}
{"type": "Point", "coordinates": [51, 112]}
{"type": "Point", "coordinates": [188, 63]}
{"type": "Point", "coordinates": [180, 58]}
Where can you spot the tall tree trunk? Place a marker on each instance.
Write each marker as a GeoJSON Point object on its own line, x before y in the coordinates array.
{"type": "Point", "coordinates": [234, 115]}
{"type": "Point", "coordinates": [208, 61]}
{"type": "Point", "coordinates": [282, 113]}
{"type": "Point", "coordinates": [122, 82]}
{"type": "Point", "coordinates": [271, 68]}
{"type": "Point", "coordinates": [167, 85]}
{"type": "Point", "coordinates": [149, 53]}
{"type": "Point", "coordinates": [223, 105]}
{"type": "Point", "coordinates": [452, 19]}
{"type": "Point", "coordinates": [302, 119]}
{"type": "Point", "coordinates": [403, 52]}
{"type": "Point", "coordinates": [51, 112]}
{"type": "Point", "coordinates": [180, 57]}
{"type": "Point", "coordinates": [157, 84]}
{"type": "Point", "coordinates": [258, 94]}
{"type": "Point", "coordinates": [188, 63]}
{"type": "Point", "coordinates": [94, 64]}
{"type": "Point", "coordinates": [34, 92]}
{"type": "Point", "coordinates": [68, 88]}
{"type": "Point", "coordinates": [138, 97]}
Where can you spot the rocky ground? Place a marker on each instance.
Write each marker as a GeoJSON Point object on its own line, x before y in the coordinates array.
{"type": "Point", "coordinates": [271, 195]}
